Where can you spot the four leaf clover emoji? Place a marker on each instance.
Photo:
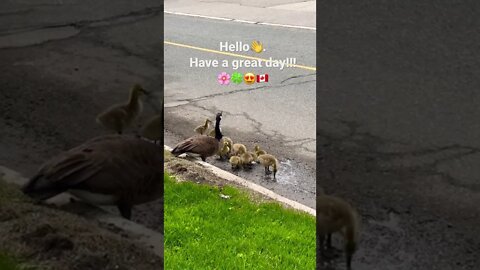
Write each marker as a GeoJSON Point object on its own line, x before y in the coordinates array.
{"type": "Point", "coordinates": [237, 77]}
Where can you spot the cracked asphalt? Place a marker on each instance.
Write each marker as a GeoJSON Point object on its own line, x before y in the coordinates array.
{"type": "Point", "coordinates": [63, 64]}
{"type": "Point", "coordinates": [398, 129]}
{"type": "Point", "coordinates": [278, 115]}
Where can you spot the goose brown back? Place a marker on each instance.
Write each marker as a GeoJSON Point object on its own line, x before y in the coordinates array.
{"type": "Point", "coordinates": [203, 145]}
{"type": "Point", "coordinates": [121, 170]}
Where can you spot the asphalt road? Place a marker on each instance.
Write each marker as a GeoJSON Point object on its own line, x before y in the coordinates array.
{"type": "Point", "coordinates": [278, 115]}
{"type": "Point", "coordinates": [399, 128]}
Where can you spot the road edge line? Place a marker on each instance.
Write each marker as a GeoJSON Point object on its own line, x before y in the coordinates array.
{"type": "Point", "coordinates": [241, 21]}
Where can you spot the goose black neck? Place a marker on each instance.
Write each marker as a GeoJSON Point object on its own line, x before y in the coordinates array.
{"type": "Point", "coordinates": [133, 99]}
{"type": "Point", "coordinates": [218, 133]}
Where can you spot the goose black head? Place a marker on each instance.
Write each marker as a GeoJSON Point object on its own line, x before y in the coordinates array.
{"type": "Point", "coordinates": [138, 89]}
{"type": "Point", "coordinates": [218, 131]}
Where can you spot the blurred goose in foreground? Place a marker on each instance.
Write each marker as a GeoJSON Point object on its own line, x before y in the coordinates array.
{"type": "Point", "coordinates": [107, 170]}
{"type": "Point", "coordinates": [153, 129]}
{"type": "Point", "coordinates": [202, 145]}
{"type": "Point", "coordinates": [119, 116]}
{"type": "Point", "coordinates": [334, 215]}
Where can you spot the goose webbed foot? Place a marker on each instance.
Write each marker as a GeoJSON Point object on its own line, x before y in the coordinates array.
{"type": "Point", "coordinates": [125, 210]}
{"type": "Point", "coordinates": [329, 241]}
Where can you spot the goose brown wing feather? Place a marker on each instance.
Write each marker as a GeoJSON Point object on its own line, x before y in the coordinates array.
{"type": "Point", "coordinates": [110, 165]}
{"type": "Point", "coordinates": [200, 144]}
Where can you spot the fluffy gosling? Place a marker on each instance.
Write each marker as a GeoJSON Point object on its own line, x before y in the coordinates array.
{"type": "Point", "coordinates": [259, 151]}
{"type": "Point", "coordinates": [268, 160]}
{"type": "Point", "coordinates": [120, 116]}
{"type": "Point", "coordinates": [203, 128]}
{"type": "Point", "coordinates": [246, 159]}
{"type": "Point", "coordinates": [236, 162]}
{"type": "Point", "coordinates": [224, 151]}
{"type": "Point", "coordinates": [211, 133]}
{"type": "Point", "coordinates": [238, 149]}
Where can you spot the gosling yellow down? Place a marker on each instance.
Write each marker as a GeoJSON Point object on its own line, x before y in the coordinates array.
{"type": "Point", "coordinates": [268, 160]}
{"type": "Point", "coordinates": [153, 129]}
{"type": "Point", "coordinates": [120, 116]}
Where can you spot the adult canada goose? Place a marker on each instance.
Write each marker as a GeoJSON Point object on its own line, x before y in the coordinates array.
{"type": "Point", "coordinates": [336, 215]}
{"type": "Point", "coordinates": [268, 160]}
{"type": "Point", "coordinates": [203, 128]}
{"type": "Point", "coordinates": [235, 161]}
{"type": "Point", "coordinates": [107, 170]}
{"type": "Point", "coordinates": [119, 116]}
{"type": "Point", "coordinates": [238, 149]}
{"type": "Point", "coordinates": [202, 145]}
{"type": "Point", "coordinates": [153, 129]}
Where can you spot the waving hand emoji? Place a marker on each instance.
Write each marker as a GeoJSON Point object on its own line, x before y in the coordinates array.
{"type": "Point", "coordinates": [257, 46]}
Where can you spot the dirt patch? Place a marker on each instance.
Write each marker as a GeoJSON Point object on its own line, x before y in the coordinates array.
{"type": "Point", "coordinates": [187, 170]}
{"type": "Point", "coordinates": [53, 239]}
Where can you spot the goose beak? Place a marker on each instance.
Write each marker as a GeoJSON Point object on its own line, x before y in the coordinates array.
{"type": "Point", "coordinates": [146, 92]}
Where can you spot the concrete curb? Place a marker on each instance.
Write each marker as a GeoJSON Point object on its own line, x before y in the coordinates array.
{"type": "Point", "coordinates": [145, 236]}
{"type": "Point", "coordinates": [255, 187]}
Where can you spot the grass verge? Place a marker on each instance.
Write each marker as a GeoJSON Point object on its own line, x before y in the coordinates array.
{"type": "Point", "coordinates": [7, 263]}
{"type": "Point", "coordinates": [205, 231]}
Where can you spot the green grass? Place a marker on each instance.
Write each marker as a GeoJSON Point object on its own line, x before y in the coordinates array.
{"type": "Point", "coordinates": [7, 263]}
{"type": "Point", "coordinates": [204, 231]}
{"type": "Point", "coordinates": [9, 193]}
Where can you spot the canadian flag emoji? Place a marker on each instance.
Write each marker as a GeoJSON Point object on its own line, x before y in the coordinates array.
{"type": "Point", "coordinates": [262, 78]}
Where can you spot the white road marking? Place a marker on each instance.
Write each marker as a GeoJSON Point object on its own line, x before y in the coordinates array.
{"type": "Point", "coordinates": [241, 21]}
